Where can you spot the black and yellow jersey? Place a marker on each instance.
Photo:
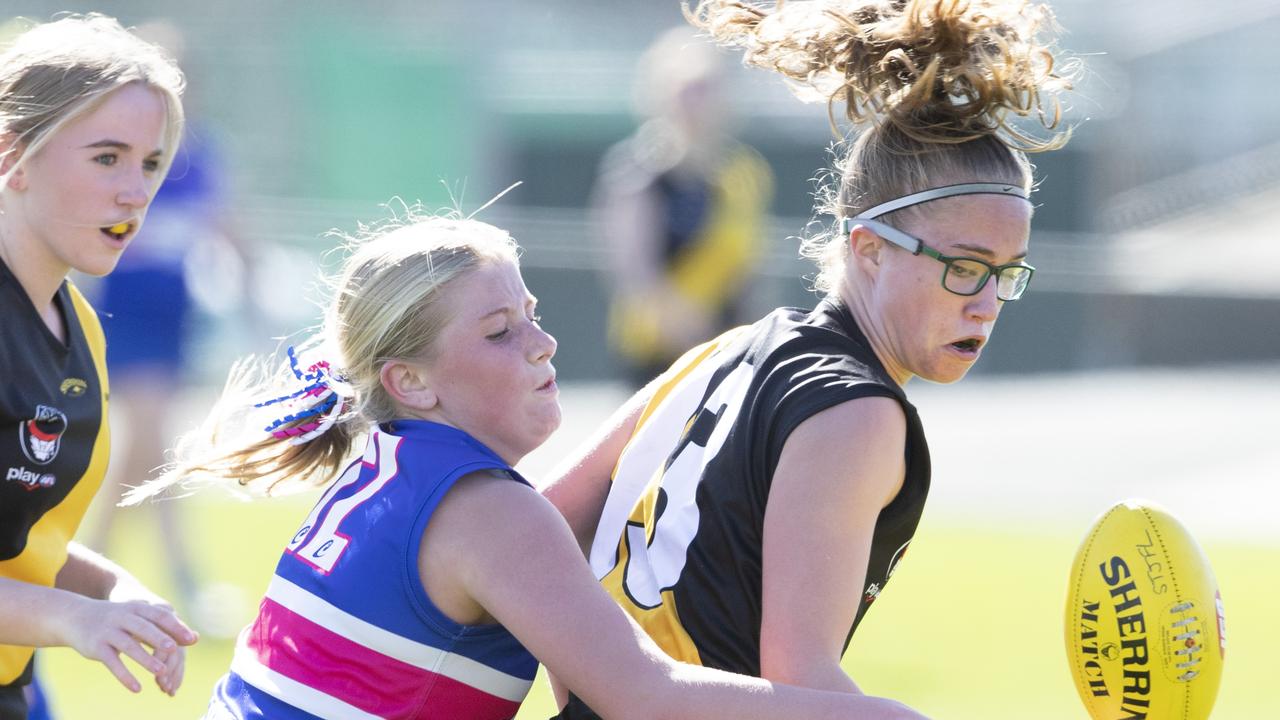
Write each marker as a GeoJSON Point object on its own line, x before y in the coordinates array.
{"type": "Point", "coordinates": [53, 441]}
{"type": "Point", "coordinates": [680, 541]}
{"type": "Point", "coordinates": [707, 239]}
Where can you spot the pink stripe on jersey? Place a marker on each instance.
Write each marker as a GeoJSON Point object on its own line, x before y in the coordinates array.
{"type": "Point", "coordinates": [308, 653]}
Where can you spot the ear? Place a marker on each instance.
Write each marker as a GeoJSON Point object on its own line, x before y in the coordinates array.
{"type": "Point", "coordinates": [409, 384]}
{"type": "Point", "coordinates": [865, 248]}
{"type": "Point", "coordinates": [10, 153]}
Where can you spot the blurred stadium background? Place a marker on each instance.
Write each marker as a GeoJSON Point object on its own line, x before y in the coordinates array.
{"type": "Point", "coordinates": [1145, 362]}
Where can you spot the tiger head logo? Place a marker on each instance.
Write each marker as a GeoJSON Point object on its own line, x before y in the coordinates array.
{"type": "Point", "coordinates": [42, 435]}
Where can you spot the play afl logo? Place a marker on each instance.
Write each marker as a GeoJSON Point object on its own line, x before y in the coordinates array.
{"type": "Point", "coordinates": [42, 435]}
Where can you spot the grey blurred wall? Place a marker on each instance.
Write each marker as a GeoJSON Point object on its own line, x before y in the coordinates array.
{"type": "Point", "coordinates": [326, 109]}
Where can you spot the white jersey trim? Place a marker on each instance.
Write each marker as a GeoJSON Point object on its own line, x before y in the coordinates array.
{"type": "Point", "coordinates": [285, 689]}
{"type": "Point", "coordinates": [420, 655]}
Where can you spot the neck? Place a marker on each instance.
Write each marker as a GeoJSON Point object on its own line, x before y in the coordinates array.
{"type": "Point", "coordinates": [38, 272]}
{"type": "Point", "coordinates": [877, 335]}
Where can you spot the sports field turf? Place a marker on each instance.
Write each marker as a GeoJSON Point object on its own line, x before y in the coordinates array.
{"type": "Point", "coordinates": [969, 628]}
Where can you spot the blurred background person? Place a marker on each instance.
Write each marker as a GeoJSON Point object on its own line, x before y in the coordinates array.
{"type": "Point", "coordinates": [680, 204]}
{"type": "Point", "coordinates": [149, 313]}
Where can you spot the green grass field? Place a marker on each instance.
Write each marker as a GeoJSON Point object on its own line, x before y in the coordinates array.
{"type": "Point", "coordinates": [970, 628]}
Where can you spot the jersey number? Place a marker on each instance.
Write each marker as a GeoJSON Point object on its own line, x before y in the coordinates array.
{"type": "Point", "coordinates": [322, 548]}
{"type": "Point", "coordinates": [655, 560]}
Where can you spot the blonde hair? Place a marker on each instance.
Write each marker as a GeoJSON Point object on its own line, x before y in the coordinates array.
{"type": "Point", "coordinates": [56, 72]}
{"type": "Point", "coordinates": [385, 306]}
{"type": "Point", "coordinates": [935, 83]}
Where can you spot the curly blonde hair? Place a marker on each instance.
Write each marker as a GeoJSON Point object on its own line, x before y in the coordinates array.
{"type": "Point", "coordinates": [934, 86]}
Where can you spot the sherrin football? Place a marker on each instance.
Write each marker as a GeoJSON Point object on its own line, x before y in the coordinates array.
{"type": "Point", "coordinates": [1144, 625]}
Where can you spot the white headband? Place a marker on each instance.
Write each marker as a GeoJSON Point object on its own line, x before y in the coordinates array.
{"type": "Point", "coordinates": [934, 194]}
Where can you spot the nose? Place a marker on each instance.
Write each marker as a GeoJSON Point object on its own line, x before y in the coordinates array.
{"type": "Point", "coordinates": [984, 306]}
{"type": "Point", "coordinates": [135, 191]}
{"type": "Point", "coordinates": [542, 347]}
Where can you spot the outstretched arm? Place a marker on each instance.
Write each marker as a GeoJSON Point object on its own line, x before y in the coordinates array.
{"type": "Point", "coordinates": [100, 610]}
{"type": "Point", "coordinates": [522, 567]}
{"type": "Point", "coordinates": [837, 470]}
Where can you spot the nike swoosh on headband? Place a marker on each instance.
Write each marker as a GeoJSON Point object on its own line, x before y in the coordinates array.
{"type": "Point", "coordinates": [934, 194]}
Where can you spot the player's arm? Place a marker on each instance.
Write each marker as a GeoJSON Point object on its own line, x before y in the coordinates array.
{"type": "Point", "coordinates": [100, 610]}
{"type": "Point", "coordinates": [837, 470]}
{"type": "Point", "coordinates": [579, 486]}
{"type": "Point", "coordinates": [522, 567]}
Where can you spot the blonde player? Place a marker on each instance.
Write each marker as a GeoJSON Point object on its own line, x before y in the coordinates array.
{"type": "Point", "coordinates": [90, 118]}
{"type": "Point", "coordinates": [430, 574]}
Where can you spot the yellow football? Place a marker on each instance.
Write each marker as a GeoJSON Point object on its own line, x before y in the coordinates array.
{"type": "Point", "coordinates": [1144, 625]}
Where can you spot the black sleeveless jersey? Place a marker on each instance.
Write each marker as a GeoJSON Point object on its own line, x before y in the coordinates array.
{"type": "Point", "coordinates": [53, 441]}
{"type": "Point", "coordinates": [680, 540]}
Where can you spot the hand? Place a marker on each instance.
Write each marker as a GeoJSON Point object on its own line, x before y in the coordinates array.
{"type": "Point", "coordinates": [103, 629]}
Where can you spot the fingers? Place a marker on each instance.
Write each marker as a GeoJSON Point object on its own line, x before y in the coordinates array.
{"type": "Point", "coordinates": [160, 628]}
{"type": "Point", "coordinates": [170, 678]}
{"type": "Point", "coordinates": [164, 618]}
{"type": "Point", "coordinates": [133, 649]}
{"type": "Point", "coordinates": [117, 668]}
{"type": "Point", "coordinates": [144, 628]}
{"type": "Point", "coordinates": [129, 629]}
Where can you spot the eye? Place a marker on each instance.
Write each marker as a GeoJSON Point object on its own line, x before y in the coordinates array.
{"type": "Point", "coordinates": [150, 165]}
{"type": "Point", "coordinates": [498, 335]}
{"type": "Point", "coordinates": [107, 159]}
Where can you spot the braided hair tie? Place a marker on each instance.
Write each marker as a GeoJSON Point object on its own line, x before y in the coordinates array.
{"type": "Point", "coordinates": [317, 398]}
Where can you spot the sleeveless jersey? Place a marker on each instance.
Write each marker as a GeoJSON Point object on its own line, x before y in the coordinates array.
{"type": "Point", "coordinates": [53, 441]}
{"type": "Point", "coordinates": [346, 629]}
{"type": "Point", "coordinates": [680, 540]}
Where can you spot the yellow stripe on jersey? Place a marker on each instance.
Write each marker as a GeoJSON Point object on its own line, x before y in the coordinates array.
{"type": "Point", "coordinates": [68, 514]}
{"type": "Point", "coordinates": [662, 623]}
{"type": "Point", "coordinates": [662, 620]}
{"type": "Point", "coordinates": [46, 550]}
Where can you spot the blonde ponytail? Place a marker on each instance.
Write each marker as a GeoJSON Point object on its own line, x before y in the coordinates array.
{"type": "Point", "coordinates": [282, 426]}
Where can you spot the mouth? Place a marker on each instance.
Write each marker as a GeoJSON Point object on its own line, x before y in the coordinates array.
{"type": "Point", "coordinates": [969, 347]}
{"type": "Point", "coordinates": [548, 386]}
{"type": "Point", "coordinates": [120, 231]}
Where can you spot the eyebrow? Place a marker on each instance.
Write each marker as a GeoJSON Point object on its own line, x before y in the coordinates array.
{"type": "Point", "coordinates": [979, 250]}
{"type": "Point", "coordinates": [506, 308]}
{"type": "Point", "coordinates": [119, 145]}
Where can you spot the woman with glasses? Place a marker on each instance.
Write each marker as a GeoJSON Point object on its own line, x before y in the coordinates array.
{"type": "Point", "coordinates": [750, 504]}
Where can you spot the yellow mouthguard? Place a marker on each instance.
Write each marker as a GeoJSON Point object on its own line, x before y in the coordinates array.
{"type": "Point", "coordinates": [119, 228]}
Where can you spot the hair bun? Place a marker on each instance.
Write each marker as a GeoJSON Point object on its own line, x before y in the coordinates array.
{"type": "Point", "coordinates": [942, 71]}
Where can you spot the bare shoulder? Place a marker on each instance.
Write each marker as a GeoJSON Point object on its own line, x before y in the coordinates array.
{"type": "Point", "coordinates": [473, 538]}
{"type": "Point", "coordinates": [858, 445]}
{"type": "Point", "coordinates": [502, 502]}
{"type": "Point", "coordinates": [874, 420]}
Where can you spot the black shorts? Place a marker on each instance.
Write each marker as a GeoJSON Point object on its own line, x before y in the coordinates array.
{"type": "Point", "coordinates": [13, 704]}
{"type": "Point", "coordinates": [575, 709]}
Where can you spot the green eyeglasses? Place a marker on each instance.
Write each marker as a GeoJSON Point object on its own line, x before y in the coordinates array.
{"type": "Point", "coordinates": [963, 275]}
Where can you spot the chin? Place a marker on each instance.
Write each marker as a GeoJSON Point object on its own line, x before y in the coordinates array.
{"type": "Point", "coordinates": [98, 267]}
{"type": "Point", "coordinates": [945, 376]}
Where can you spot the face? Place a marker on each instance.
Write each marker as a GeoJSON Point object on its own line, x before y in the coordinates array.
{"type": "Point", "coordinates": [491, 373]}
{"type": "Point", "coordinates": [917, 326]}
{"type": "Point", "coordinates": [80, 199]}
